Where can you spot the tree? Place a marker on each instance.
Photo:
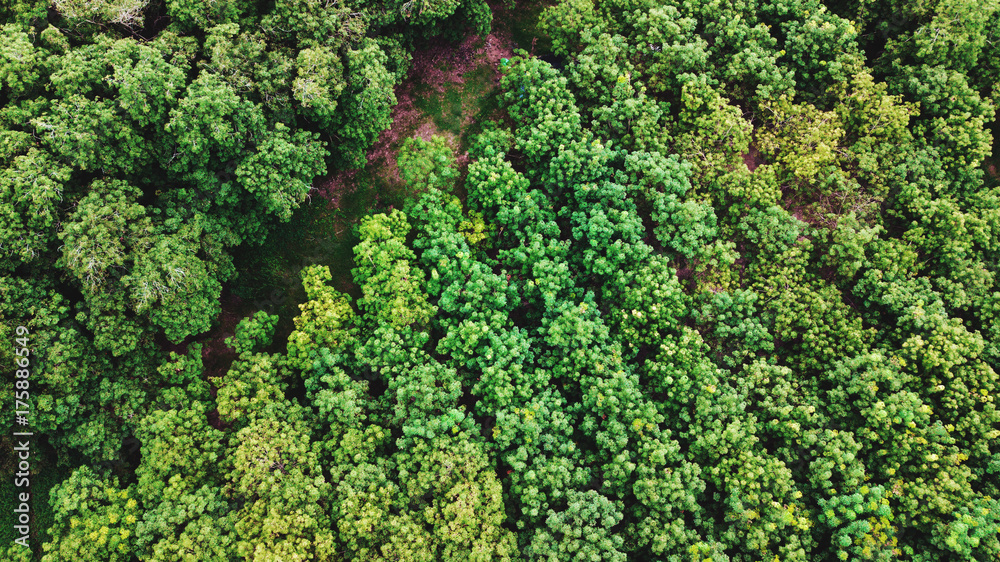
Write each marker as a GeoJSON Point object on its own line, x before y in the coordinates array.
{"type": "Point", "coordinates": [565, 22]}
{"type": "Point", "coordinates": [185, 516]}
{"type": "Point", "coordinates": [127, 13]}
{"type": "Point", "coordinates": [327, 319]}
{"type": "Point", "coordinates": [536, 441]}
{"type": "Point", "coordinates": [93, 517]}
{"type": "Point", "coordinates": [952, 118]}
{"type": "Point", "coordinates": [94, 238]}
{"type": "Point", "coordinates": [190, 15]}
{"type": "Point", "coordinates": [90, 135]}
{"type": "Point", "coordinates": [274, 472]}
{"type": "Point", "coordinates": [648, 303]}
{"type": "Point", "coordinates": [465, 512]}
{"type": "Point", "coordinates": [174, 287]}
{"type": "Point", "coordinates": [319, 84]}
{"type": "Point", "coordinates": [21, 64]}
{"type": "Point", "coordinates": [211, 122]}
{"type": "Point", "coordinates": [581, 532]}
{"type": "Point", "coordinates": [672, 48]}
{"type": "Point", "coordinates": [253, 333]}
{"type": "Point", "coordinates": [804, 141]}
{"type": "Point", "coordinates": [312, 23]}
{"type": "Point", "coordinates": [148, 86]}
{"type": "Point", "coordinates": [279, 173]}
{"type": "Point", "coordinates": [862, 524]}
{"type": "Point", "coordinates": [367, 102]}
{"type": "Point", "coordinates": [391, 287]}
{"type": "Point", "coordinates": [182, 380]}
{"type": "Point", "coordinates": [252, 383]}
{"type": "Point", "coordinates": [734, 327]}
{"type": "Point", "coordinates": [823, 51]}
{"type": "Point", "coordinates": [31, 190]}
{"type": "Point", "coordinates": [427, 164]}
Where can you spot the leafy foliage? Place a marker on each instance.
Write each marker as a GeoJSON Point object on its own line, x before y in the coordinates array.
{"type": "Point", "coordinates": [718, 284]}
{"type": "Point", "coordinates": [93, 518]}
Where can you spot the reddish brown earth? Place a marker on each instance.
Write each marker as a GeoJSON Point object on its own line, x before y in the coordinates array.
{"type": "Point", "coordinates": [433, 68]}
{"type": "Point", "coordinates": [216, 356]}
{"type": "Point", "coordinates": [752, 158]}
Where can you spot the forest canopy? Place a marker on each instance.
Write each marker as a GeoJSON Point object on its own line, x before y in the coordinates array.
{"type": "Point", "coordinates": [717, 281]}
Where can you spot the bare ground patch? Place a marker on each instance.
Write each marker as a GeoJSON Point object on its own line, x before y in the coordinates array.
{"type": "Point", "coordinates": [752, 158]}
{"type": "Point", "coordinates": [437, 72]}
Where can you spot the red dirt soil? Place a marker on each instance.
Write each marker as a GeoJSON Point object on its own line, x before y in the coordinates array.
{"type": "Point", "coordinates": [216, 356]}
{"type": "Point", "coordinates": [752, 158]}
{"type": "Point", "coordinates": [433, 67]}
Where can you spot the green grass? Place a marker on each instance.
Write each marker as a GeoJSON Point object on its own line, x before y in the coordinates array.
{"type": "Point", "coordinates": [462, 108]}
{"type": "Point", "coordinates": [268, 275]}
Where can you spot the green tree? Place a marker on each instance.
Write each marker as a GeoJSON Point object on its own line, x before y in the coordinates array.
{"type": "Point", "coordinates": [185, 515]}
{"type": "Point", "coordinates": [174, 287]}
{"type": "Point", "coordinates": [93, 518]}
{"type": "Point", "coordinates": [391, 287]}
{"type": "Point", "coordinates": [252, 383]}
{"type": "Point", "coordinates": [862, 524]}
{"type": "Point", "coordinates": [21, 64]}
{"type": "Point", "coordinates": [128, 13]}
{"type": "Point", "coordinates": [427, 164]}
{"type": "Point", "coordinates": [280, 172]}
{"type": "Point", "coordinates": [326, 321]}
{"type": "Point", "coordinates": [191, 15]}
{"type": "Point", "coordinates": [31, 190]}
{"type": "Point", "coordinates": [580, 532]}
{"type": "Point", "coordinates": [253, 333]}
{"type": "Point", "coordinates": [366, 103]}
{"type": "Point", "coordinates": [273, 471]}
{"type": "Point", "coordinates": [319, 84]}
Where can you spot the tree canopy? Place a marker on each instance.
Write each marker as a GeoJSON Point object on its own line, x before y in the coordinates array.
{"type": "Point", "coordinates": [715, 281]}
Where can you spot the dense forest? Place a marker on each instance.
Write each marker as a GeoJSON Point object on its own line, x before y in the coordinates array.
{"type": "Point", "coordinates": [716, 280]}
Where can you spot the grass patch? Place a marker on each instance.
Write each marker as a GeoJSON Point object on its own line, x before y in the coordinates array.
{"type": "Point", "coordinates": [268, 275]}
